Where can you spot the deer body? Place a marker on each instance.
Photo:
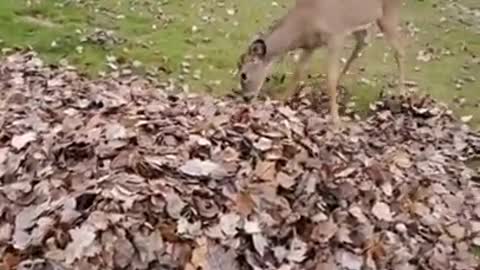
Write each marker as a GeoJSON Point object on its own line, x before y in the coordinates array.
{"type": "Point", "coordinates": [312, 24]}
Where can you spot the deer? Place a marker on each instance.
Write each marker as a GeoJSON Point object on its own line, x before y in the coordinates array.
{"type": "Point", "coordinates": [313, 24]}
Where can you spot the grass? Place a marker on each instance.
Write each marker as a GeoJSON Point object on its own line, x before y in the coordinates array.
{"type": "Point", "coordinates": [159, 35]}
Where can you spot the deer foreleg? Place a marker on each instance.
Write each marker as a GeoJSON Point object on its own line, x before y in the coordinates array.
{"type": "Point", "coordinates": [388, 26]}
{"type": "Point", "coordinates": [333, 73]}
{"type": "Point", "coordinates": [360, 43]}
{"type": "Point", "coordinates": [299, 72]}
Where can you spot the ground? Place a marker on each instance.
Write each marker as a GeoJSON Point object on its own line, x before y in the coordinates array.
{"type": "Point", "coordinates": [198, 43]}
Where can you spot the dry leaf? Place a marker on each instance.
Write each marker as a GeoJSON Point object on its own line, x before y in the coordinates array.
{"type": "Point", "coordinates": [200, 254]}
{"type": "Point", "coordinates": [297, 250]}
{"type": "Point", "coordinates": [20, 141]}
{"type": "Point", "coordinates": [349, 260]}
{"type": "Point", "coordinates": [324, 231]}
{"type": "Point", "coordinates": [83, 243]}
{"type": "Point", "coordinates": [260, 243]}
{"type": "Point", "coordinates": [229, 223]}
{"type": "Point", "coordinates": [219, 259]}
{"type": "Point", "coordinates": [382, 211]}
{"type": "Point", "coordinates": [175, 205]}
{"type": "Point", "coordinates": [5, 232]}
{"type": "Point", "coordinates": [150, 247]}
{"type": "Point", "coordinates": [197, 168]}
{"type": "Point", "coordinates": [124, 251]}
{"type": "Point", "coordinates": [244, 204]}
{"type": "Point", "coordinates": [265, 170]}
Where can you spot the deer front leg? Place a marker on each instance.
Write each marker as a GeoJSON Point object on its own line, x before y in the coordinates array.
{"type": "Point", "coordinates": [333, 63]}
{"type": "Point", "coordinates": [388, 25]}
{"type": "Point", "coordinates": [299, 72]}
{"type": "Point", "coordinates": [360, 43]}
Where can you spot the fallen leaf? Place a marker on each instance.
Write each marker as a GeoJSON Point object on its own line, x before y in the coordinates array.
{"type": "Point", "coordinates": [260, 243]}
{"type": "Point", "coordinates": [83, 243]}
{"type": "Point", "coordinates": [20, 141]}
{"type": "Point", "coordinates": [3, 154]}
{"type": "Point", "coordinates": [219, 259]}
{"type": "Point", "coordinates": [229, 223]}
{"type": "Point", "coordinates": [199, 168]}
{"type": "Point", "coordinates": [175, 205]}
{"type": "Point", "coordinates": [466, 118]}
{"type": "Point", "coordinates": [10, 261]}
{"type": "Point", "coordinates": [5, 232]}
{"type": "Point", "coordinates": [124, 252]}
{"type": "Point", "coordinates": [244, 204]}
{"type": "Point", "coordinates": [349, 260]}
{"type": "Point", "coordinates": [297, 250]}
{"type": "Point", "coordinates": [200, 254]}
{"type": "Point", "coordinates": [285, 180]}
{"type": "Point", "coordinates": [456, 231]}
{"type": "Point", "coordinates": [382, 211]}
{"type": "Point", "coordinates": [324, 231]}
{"type": "Point", "coordinates": [150, 246]}
{"type": "Point", "coordinates": [265, 170]}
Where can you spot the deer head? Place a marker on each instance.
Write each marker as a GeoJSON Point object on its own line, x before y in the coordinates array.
{"type": "Point", "coordinates": [254, 67]}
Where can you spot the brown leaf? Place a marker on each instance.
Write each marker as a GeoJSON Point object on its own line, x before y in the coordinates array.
{"type": "Point", "coordinates": [402, 160]}
{"type": "Point", "coordinates": [285, 180]}
{"type": "Point", "coordinates": [326, 265]}
{"type": "Point", "coordinates": [197, 168]}
{"type": "Point", "coordinates": [260, 243]}
{"type": "Point", "coordinates": [297, 250]}
{"type": "Point", "coordinates": [124, 252]}
{"type": "Point", "coordinates": [10, 261]}
{"type": "Point", "coordinates": [324, 231]}
{"type": "Point", "coordinates": [5, 232]}
{"type": "Point", "coordinates": [349, 260]}
{"type": "Point", "coordinates": [175, 204]}
{"type": "Point", "coordinates": [244, 204]}
{"type": "Point", "coordinates": [200, 254]}
{"type": "Point", "coordinates": [382, 211]}
{"type": "Point", "coordinates": [20, 141]}
{"type": "Point", "coordinates": [229, 223]}
{"type": "Point", "coordinates": [3, 154]}
{"type": "Point", "coordinates": [24, 221]}
{"type": "Point", "coordinates": [83, 243]}
{"type": "Point", "coordinates": [265, 170]}
{"type": "Point", "coordinates": [206, 208]}
{"type": "Point", "coordinates": [149, 246]}
{"type": "Point", "coordinates": [220, 259]}
{"type": "Point", "coordinates": [456, 231]}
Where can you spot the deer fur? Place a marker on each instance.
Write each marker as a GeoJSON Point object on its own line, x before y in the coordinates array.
{"type": "Point", "coordinates": [311, 24]}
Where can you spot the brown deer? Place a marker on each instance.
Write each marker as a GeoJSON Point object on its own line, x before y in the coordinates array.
{"type": "Point", "coordinates": [312, 24]}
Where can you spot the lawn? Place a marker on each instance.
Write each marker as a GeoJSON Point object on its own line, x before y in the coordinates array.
{"type": "Point", "coordinates": [197, 43]}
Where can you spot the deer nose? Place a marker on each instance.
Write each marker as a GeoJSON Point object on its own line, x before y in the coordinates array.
{"type": "Point", "coordinates": [247, 98]}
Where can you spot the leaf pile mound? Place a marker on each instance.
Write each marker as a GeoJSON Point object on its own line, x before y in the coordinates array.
{"type": "Point", "coordinates": [116, 174]}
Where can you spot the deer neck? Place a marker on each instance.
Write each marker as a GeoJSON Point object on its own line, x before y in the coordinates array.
{"type": "Point", "coordinates": [282, 39]}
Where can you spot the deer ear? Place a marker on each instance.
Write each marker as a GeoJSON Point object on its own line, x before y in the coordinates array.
{"type": "Point", "coordinates": [258, 48]}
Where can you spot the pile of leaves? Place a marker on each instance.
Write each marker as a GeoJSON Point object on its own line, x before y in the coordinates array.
{"type": "Point", "coordinates": [117, 174]}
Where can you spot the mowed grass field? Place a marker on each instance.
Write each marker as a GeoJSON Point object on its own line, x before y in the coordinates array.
{"type": "Point", "coordinates": [197, 43]}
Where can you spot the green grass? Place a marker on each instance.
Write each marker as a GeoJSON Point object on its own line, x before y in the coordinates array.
{"type": "Point", "coordinates": [159, 34]}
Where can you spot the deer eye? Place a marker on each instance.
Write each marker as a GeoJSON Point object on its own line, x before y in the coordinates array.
{"type": "Point", "coordinates": [244, 76]}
